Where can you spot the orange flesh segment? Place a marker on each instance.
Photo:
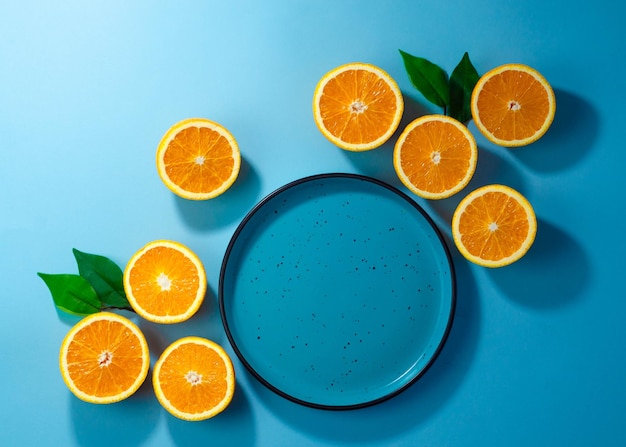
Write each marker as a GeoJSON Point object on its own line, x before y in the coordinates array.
{"type": "Point", "coordinates": [430, 140]}
{"type": "Point", "coordinates": [350, 92]}
{"type": "Point", "coordinates": [502, 94]}
{"type": "Point", "coordinates": [512, 226]}
{"type": "Point", "coordinates": [149, 275]}
{"type": "Point", "coordinates": [199, 159]}
{"type": "Point", "coordinates": [193, 362]}
{"type": "Point", "coordinates": [104, 358]}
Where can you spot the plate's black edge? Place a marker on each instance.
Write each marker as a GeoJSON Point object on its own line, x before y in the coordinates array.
{"type": "Point", "coordinates": [240, 228]}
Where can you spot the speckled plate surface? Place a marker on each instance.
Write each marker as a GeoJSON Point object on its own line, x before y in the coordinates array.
{"type": "Point", "coordinates": [337, 291]}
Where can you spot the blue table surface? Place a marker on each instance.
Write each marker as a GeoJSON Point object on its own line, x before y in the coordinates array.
{"type": "Point", "coordinates": [87, 89]}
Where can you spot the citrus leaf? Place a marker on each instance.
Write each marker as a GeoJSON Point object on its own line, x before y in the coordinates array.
{"type": "Point", "coordinates": [430, 79]}
{"type": "Point", "coordinates": [104, 276]}
{"type": "Point", "coordinates": [72, 293]}
{"type": "Point", "coordinates": [462, 83]}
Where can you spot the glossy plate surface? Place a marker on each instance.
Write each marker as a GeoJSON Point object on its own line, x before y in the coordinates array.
{"type": "Point", "coordinates": [337, 291]}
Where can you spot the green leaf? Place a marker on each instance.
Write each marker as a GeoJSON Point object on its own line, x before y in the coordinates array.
{"type": "Point", "coordinates": [462, 82]}
{"type": "Point", "coordinates": [104, 276]}
{"type": "Point", "coordinates": [72, 293]}
{"type": "Point", "coordinates": [430, 79]}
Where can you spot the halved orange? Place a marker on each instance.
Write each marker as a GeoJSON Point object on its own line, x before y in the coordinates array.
{"type": "Point", "coordinates": [494, 226]}
{"type": "Point", "coordinates": [198, 159]}
{"type": "Point", "coordinates": [165, 282]}
{"type": "Point", "coordinates": [435, 156]}
{"type": "Point", "coordinates": [194, 379]}
{"type": "Point", "coordinates": [357, 106]}
{"type": "Point", "coordinates": [513, 105]}
{"type": "Point", "coordinates": [104, 358]}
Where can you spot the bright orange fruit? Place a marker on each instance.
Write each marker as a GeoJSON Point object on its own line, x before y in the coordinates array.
{"type": "Point", "coordinates": [165, 282]}
{"type": "Point", "coordinates": [435, 156]}
{"type": "Point", "coordinates": [513, 105]}
{"type": "Point", "coordinates": [104, 358]}
{"type": "Point", "coordinates": [198, 159]}
{"type": "Point", "coordinates": [194, 379]}
{"type": "Point", "coordinates": [494, 226]}
{"type": "Point", "coordinates": [357, 106]}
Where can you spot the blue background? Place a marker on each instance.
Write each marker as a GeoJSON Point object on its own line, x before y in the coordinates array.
{"type": "Point", "coordinates": [87, 89]}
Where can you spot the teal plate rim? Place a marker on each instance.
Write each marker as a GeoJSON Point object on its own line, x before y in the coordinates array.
{"type": "Point", "coordinates": [276, 388]}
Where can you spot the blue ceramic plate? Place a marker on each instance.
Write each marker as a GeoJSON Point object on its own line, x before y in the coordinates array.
{"type": "Point", "coordinates": [337, 291]}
